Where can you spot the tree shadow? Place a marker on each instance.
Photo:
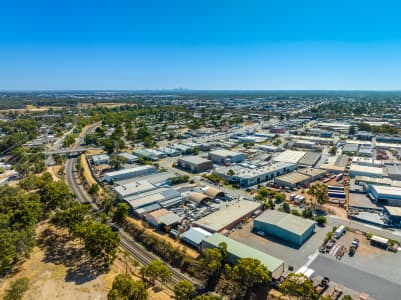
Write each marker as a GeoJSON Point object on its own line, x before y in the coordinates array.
{"type": "Point", "coordinates": [61, 248]}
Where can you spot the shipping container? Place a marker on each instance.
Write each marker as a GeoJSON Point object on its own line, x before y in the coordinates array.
{"type": "Point", "coordinates": [336, 195]}
{"type": "Point", "coordinates": [335, 188]}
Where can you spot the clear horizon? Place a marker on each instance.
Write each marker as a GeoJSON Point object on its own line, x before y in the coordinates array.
{"type": "Point", "coordinates": [208, 45]}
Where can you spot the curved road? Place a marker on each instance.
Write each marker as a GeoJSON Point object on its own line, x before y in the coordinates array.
{"type": "Point", "coordinates": [126, 242]}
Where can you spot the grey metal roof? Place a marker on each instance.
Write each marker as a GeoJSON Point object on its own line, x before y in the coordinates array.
{"type": "Point", "coordinates": [285, 221]}
{"type": "Point", "coordinates": [310, 158]}
{"type": "Point", "coordinates": [169, 219]}
{"type": "Point", "coordinates": [393, 170]}
{"type": "Point", "coordinates": [195, 235]}
{"type": "Point", "coordinates": [193, 159]}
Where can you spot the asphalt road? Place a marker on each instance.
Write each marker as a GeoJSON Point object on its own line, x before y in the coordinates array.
{"type": "Point", "coordinates": [340, 273]}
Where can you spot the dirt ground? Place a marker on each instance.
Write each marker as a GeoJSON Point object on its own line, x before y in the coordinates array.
{"type": "Point", "coordinates": [53, 171]}
{"type": "Point", "coordinates": [59, 269]}
{"type": "Point", "coordinates": [191, 252]}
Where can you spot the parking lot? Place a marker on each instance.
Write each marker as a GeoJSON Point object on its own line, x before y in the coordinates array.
{"type": "Point", "coordinates": [292, 256]}
{"type": "Point", "coordinates": [371, 259]}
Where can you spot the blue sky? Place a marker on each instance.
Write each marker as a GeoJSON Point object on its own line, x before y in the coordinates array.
{"type": "Point", "coordinates": [200, 44]}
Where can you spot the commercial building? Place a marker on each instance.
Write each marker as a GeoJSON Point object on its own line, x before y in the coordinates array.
{"type": "Point", "coordinates": [100, 159]}
{"type": "Point", "coordinates": [366, 150]}
{"type": "Point", "coordinates": [351, 148]}
{"type": "Point", "coordinates": [393, 215]}
{"type": "Point", "coordinates": [194, 236]}
{"type": "Point", "coordinates": [290, 156]}
{"type": "Point", "coordinates": [146, 154]}
{"type": "Point", "coordinates": [170, 151]}
{"type": "Point", "coordinates": [129, 173]}
{"type": "Point", "coordinates": [342, 160]}
{"type": "Point", "coordinates": [223, 156]}
{"type": "Point", "coordinates": [335, 126]}
{"type": "Point", "coordinates": [246, 175]}
{"type": "Point", "coordinates": [129, 157]}
{"type": "Point", "coordinates": [332, 168]}
{"type": "Point", "coordinates": [393, 171]}
{"type": "Point", "coordinates": [146, 197]}
{"type": "Point", "coordinates": [310, 159]}
{"type": "Point", "coordinates": [300, 178]}
{"type": "Point", "coordinates": [237, 250]}
{"type": "Point", "coordinates": [358, 170]}
{"type": "Point", "coordinates": [161, 218]}
{"type": "Point", "coordinates": [133, 188]}
{"type": "Point", "coordinates": [365, 161]}
{"type": "Point", "coordinates": [364, 136]}
{"type": "Point", "coordinates": [290, 228]}
{"type": "Point", "coordinates": [388, 139]}
{"type": "Point", "coordinates": [213, 192]}
{"type": "Point", "coordinates": [198, 198]}
{"type": "Point", "coordinates": [195, 164]}
{"type": "Point", "coordinates": [385, 194]}
{"type": "Point", "coordinates": [228, 217]}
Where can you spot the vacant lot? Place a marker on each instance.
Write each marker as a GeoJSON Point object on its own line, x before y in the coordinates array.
{"type": "Point", "coordinates": [60, 269]}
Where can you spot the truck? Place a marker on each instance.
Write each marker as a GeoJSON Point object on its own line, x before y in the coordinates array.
{"type": "Point", "coordinates": [335, 188]}
{"type": "Point", "coordinates": [300, 199]}
{"type": "Point", "coordinates": [339, 231]}
{"type": "Point", "coordinates": [322, 285]}
{"type": "Point", "coordinates": [353, 247]}
{"type": "Point", "coordinates": [340, 195]}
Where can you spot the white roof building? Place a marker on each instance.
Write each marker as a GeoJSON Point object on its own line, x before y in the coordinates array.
{"type": "Point", "coordinates": [290, 156]}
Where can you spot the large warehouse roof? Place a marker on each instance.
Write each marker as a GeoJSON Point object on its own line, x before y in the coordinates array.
{"type": "Point", "coordinates": [393, 210]}
{"type": "Point", "coordinates": [285, 221]}
{"type": "Point", "coordinates": [366, 169]}
{"type": "Point", "coordinates": [213, 192]}
{"type": "Point", "coordinates": [241, 250]}
{"type": "Point", "coordinates": [290, 156]}
{"type": "Point", "coordinates": [310, 158]}
{"type": "Point", "coordinates": [293, 178]}
{"type": "Point", "coordinates": [195, 235]}
{"type": "Point", "coordinates": [134, 187]}
{"type": "Point", "coordinates": [386, 190]}
{"type": "Point", "coordinates": [130, 170]}
{"type": "Point", "coordinates": [227, 215]}
{"type": "Point", "coordinates": [193, 159]}
{"type": "Point", "coordinates": [198, 197]}
{"type": "Point", "coordinates": [225, 153]}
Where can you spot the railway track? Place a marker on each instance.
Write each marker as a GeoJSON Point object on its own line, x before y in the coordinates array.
{"type": "Point", "coordinates": [145, 257]}
{"type": "Point", "coordinates": [127, 243]}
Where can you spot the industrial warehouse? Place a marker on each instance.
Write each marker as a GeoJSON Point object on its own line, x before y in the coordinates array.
{"type": "Point", "coordinates": [229, 216]}
{"type": "Point", "coordinates": [289, 228]}
{"type": "Point", "coordinates": [245, 175]}
{"type": "Point", "coordinates": [129, 173]}
{"type": "Point", "coordinates": [237, 250]}
{"type": "Point", "coordinates": [194, 164]}
{"type": "Point", "coordinates": [299, 178]}
{"type": "Point", "coordinates": [385, 194]}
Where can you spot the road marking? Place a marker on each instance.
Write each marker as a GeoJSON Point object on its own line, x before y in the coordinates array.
{"type": "Point", "coordinates": [312, 258]}
{"type": "Point", "coordinates": [333, 250]}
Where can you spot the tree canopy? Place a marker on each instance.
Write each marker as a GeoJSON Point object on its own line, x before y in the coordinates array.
{"type": "Point", "coordinates": [124, 288]}
{"type": "Point", "coordinates": [299, 286]}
